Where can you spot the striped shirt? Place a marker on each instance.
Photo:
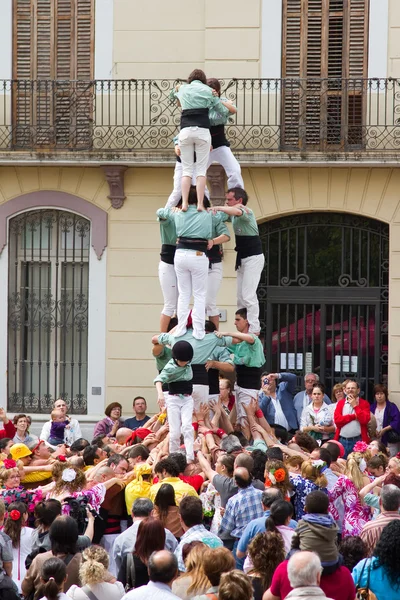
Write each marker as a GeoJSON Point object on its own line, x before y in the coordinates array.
{"type": "Point", "coordinates": [371, 532]}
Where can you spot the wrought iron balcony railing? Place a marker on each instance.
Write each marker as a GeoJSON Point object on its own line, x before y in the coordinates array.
{"type": "Point", "coordinates": [273, 115]}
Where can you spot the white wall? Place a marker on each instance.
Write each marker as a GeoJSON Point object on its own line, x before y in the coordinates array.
{"type": "Point", "coordinates": [5, 39]}
{"type": "Point", "coordinates": [378, 38]}
{"type": "Point", "coordinates": [103, 39]}
{"type": "Point", "coordinates": [271, 38]}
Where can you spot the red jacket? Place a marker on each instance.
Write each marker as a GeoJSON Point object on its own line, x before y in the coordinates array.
{"type": "Point", "coordinates": [9, 430]}
{"type": "Point", "coordinates": [362, 413]}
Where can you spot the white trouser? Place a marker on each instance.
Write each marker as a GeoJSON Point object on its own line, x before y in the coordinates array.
{"type": "Point", "coordinates": [248, 278]}
{"type": "Point", "coordinates": [107, 541]}
{"type": "Point", "coordinates": [180, 414]}
{"type": "Point", "coordinates": [191, 140]}
{"type": "Point", "coordinates": [169, 288]}
{"type": "Point", "coordinates": [214, 280]}
{"type": "Point", "coordinates": [176, 193]}
{"type": "Point", "coordinates": [243, 396]}
{"type": "Point", "coordinates": [191, 271]}
{"type": "Point", "coordinates": [200, 395]}
{"type": "Point", "coordinates": [223, 155]}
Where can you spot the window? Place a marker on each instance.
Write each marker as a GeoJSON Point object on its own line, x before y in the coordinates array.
{"type": "Point", "coordinates": [325, 51]}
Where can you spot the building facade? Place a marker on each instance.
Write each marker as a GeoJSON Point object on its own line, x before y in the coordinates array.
{"type": "Point", "coordinates": [86, 158]}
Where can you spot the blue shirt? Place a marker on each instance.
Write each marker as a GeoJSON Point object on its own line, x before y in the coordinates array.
{"type": "Point", "coordinates": [242, 508]}
{"type": "Point", "coordinates": [284, 393]}
{"type": "Point", "coordinates": [133, 423]}
{"type": "Point", "coordinates": [253, 528]}
{"type": "Point", "coordinates": [379, 582]}
{"type": "Point", "coordinates": [196, 533]}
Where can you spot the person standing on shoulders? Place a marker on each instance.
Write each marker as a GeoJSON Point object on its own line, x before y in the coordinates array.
{"type": "Point", "coordinates": [351, 418]}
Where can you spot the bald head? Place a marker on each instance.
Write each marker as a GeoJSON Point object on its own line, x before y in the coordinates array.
{"type": "Point", "coordinates": [123, 434]}
{"type": "Point", "coordinates": [103, 474]}
{"type": "Point", "coordinates": [242, 477]}
{"type": "Point", "coordinates": [244, 460]}
{"type": "Point", "coordinates": [163, 567]}
{"type": "Point", "coordinates": [304, 569]}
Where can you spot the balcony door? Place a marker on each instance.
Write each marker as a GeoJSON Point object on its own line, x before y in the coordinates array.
{"type": "Point", "coordinates": [53, 67]}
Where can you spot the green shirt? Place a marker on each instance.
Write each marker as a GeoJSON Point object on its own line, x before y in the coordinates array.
{"type": "Point", "coordinates": [246, 224]}
{"type": "Point", "coordinates": [372, 500]}
{"type": "Point", "coordinates": [163, 358]}
{"type": "Point", "coordinates": [219, 115]}
{"type": "Point", "coordinates": [197, 95]}
{"type": "Point", "coordinates": [221, 355]}
{"type": "Point", "coordinates": [167, 226]}
{"type": "Point", "coordinates": [249, 355]}
{"type": "Point", "coordinates": [173, 372]}
{"type": "Point", "coordinates": [194, 224]}
{"type": "Point", "coordinates": [202, 349]}
{"type": "Point", "coordinates": [219, 226]}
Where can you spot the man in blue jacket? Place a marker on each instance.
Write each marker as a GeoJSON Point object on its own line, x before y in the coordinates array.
{"type": "Point", "coordinates": [276, 399]}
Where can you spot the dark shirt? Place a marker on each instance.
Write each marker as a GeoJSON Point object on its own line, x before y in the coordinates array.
{"type": "Point", "coordinates": [141, 575]}
{"type": "Point", "coordinates": [133, 423]}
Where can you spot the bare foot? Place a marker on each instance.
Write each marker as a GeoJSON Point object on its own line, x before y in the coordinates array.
{"type": "Point", "coordinates": [184, 206]}
{"type": "Point", "coordinates": [200, 207]}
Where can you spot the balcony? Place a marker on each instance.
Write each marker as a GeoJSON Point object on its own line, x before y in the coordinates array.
{"type": "Point", "coordinates": [134, 121]}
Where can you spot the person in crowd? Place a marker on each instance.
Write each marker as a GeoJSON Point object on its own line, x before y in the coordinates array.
{"type": "Point", "coordinates": [111, 422]}
{"type": "Point", "coordinates": [351, 418]}
{"type": "Point", "coordinates": [250, 256]}
{"type": "Point", "coordinates": [381, 572]}
{"type": "Point", "coordinates": [278, 521]}
{"type": "Point", "coordinates": [352, 549]}
{"type": "Point", "coordinates": [389, 504]}
{"type": "Point", "coordinates": [12, 490]}
{"type": "Point", "coordinates": [276, 399]}
{"type": "Point", "coordinates": [304, 397]}
{"type": "Point", "coordinates": [168, 472]}
{"type": "Point", "coordinates": [70, 481]}
{"type": "Point", "coordinates": [140, 419]}
{"type": "Point", "coordinates": [316, 418]}
{"type": "Point", "coordinates": [63, 537]}
{"type": "Point", "coordinates": [140, 486]}
{"type": "Point", "coordinates": [15, 526]}
{"type": "Point", "coordinates": [22, 435]}
{"type": "Point", "coordinates": [337, 393]}
{"type": "Point", "coordinates": [311, 479]}
{"type": "Point", "coordinates": [52, 583]}
{"type": "Point", "coordinates": [95, 578]}
{"type": "Point", "coordinates": [304, 572]}
{"type": "Point", "coordinates": [194, 581]}
{"type": "Point", "coordinates": [73, 432]}
{"type": "Point", "coordinates": [196, 481]}
{"type": "Point", "coordinates": [377, 465]}
{"type": "Point", "coordinates": [277, 476]}
{"type": "Point", "coordinates": [92, 455]}
{"type": "Point", "coordinates": [215, 563]}
{"type": "Point", "coordinates": [150, 538]}
{"type": "Point", "coordinates": [235, 585]}
{"type": "Point", "coordinates": [142, 508]}
{"type": "Point", "coordinates": [191, 513]}
{"type": "Point", "coordinates": [5, 447]}
{"type": "Point", "coordinates": [163, 570]}
{"type": "Point", "coordinates": [167, 511]}
{"type": "Point", "coordinates": [266, 552]}
{"type": "Point", "coordinates": [226, 395]}
{"type": "Point", "coordinates": [387, 417]}
{"type": "Point", "coordinates": [347, 488]}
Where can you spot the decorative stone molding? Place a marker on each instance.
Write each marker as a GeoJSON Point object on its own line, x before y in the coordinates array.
{"type": "Point", "coordinates": [216, 180]}
{"type": "Point", "coordinates": [115, 178]}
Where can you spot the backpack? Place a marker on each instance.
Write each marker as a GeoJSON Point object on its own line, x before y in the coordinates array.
{"type": "Point", "coordinates": [130, 573]}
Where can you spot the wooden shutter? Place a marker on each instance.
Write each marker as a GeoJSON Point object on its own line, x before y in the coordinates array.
{"type": "Point", "coordinates": [324, 43]}
{"type": "Point", "coordinates": [53, 46]}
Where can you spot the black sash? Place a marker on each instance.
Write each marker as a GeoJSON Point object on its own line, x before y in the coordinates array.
{"type": "Point", "coordinates": [215, 254]}
{"type": "Point", "coordinates": [167, 253]}
{"type": "Point", "coordinates": [213, 381]}
{"type": "Point", "coordinates": [247, 245]}
{"type": "Point", "coordinates": [180, 387]}
{"type": "Point", "coordinates": [195, 117]}
{"type": "Point", "coordinates": [192, 244]}
{"type": "Point", "coordinates": [248, 377]}
{"type": "Point", "coordinates": [218, 137]}
{"type": "Point", "coordinates": [200, 375]}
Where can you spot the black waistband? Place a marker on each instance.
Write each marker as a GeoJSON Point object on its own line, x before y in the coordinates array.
{"type": "Point", "coordinates": [247, 245]}
{"type": "Point", "coordinates": [248, 377]}
{"type": "Point", "coordinates": [215, 254]}
{"type": "Point", "coordinates": [195, 117]}
{"type": "Point", "coordinates": [200, 375]}
{"type": "Point", "coordinates": [218, 137]}
{"type": "Point", "coordinates": [180, 387]}
{"type": "Point", "coordinates": [185, 243]}
{"type": "Point", "coordinates": [213, 381]}
{"type": "Point", "coordinates": [167, 253]}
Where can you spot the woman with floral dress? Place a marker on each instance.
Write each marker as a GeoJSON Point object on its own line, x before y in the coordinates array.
{"type": "Point", "coordinates": [311, 479]}
{"type": "Point", "coordinates": [347, 488]}
{"type": "Point", "coordinates": [12, 490]}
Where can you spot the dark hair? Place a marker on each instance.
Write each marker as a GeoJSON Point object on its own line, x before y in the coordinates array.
{"type": "Point", "coordinates": [162, 573]}
{"type": "Point", "coordinates": [274, 454]}
{"type": "Point", "coordinates": [210, 327]}
{"type": "Point", "coordinates": [173, 321]}
{"type": "Point", "coordinates": [111, 406]}
{"type": "Point", "coordinates": [325, 455]}
{"type": "Point", "coordinates": [63, 535]}
{"type": "Point", "coordinates": [378, 461]}
{"type": "Point", "coordinates": [79, 445]}
{"type": "Point", "coordinates": [266, 551]}
{"type": "Point", "coordinates": [379, 387]}
{"type": "Point", "coordinates": [192, 195]}
{"type": "Point", "coordinates": [21, 416]}
{"type": "Point", "coordinates": [197, 75]}
{"type": "Point", "coordinates": [242, 482]}
{"type": "Point", "coordinates": [271, 495]}
{"type": "Point", "coordinates": [242, 312]}
{"type": "Point", "coordinates": [320, 385]}
{"type": "Point", "coordinates": [333, 450]}
{"type": "Point", "coordinates": [317, 503]}
{"type": "Point", "coordinates": [165, 498]}
{"type": "Point", "coordinates": [245, 460]}
{"type": "Point", "coordinates": [387, 551]}
{"type": "Point", "coordinates": [280, 511]}
{"type": "Point", "coordinates": [180, 459]}
{"type": "Point", "coordinates": [139, 398]}
{"type": "Point", "coordinates": [229, 463]}
{"type": "Point", "coordinates": [46, 512]}
{"type": "Point", "coordinates": [4, 442]}
{"type": "Point", "coordinates": [239, 193]}
{"type": "Point", "coordinates": [169, 465]}
{"type": "Point", "coordinates": [305, 441]}
{"type": "Point", "coordinates": [52, 574]}
{"type": "Point", "coordinates": [191, 511]}
{"type": "Point", "coordinates": [150, 538]}
{"type": "Point", "coordinates": [12, 527]}
{"type": "Point", "coordinates": [353, 549]}
{"type": "Point", "coordinates": [241, 437]}
{"type": "Point", "coordinates": [98, 441]}
{"type": "Point", "coordinates": [217, 561]}
{"type": "Point", "coordinates": [89, 454]}
{"type": "Point", "coordinates": [260, 458]}
{"type": "Point", "coordinates": [138, 450]}
{"type": "Point", "coordinates": [281, 433]}
{"type": "Point", "coordinates": [214, 84]}
{"type": "Point", "coordinates": [115, 459]}
{"type": "Point", "coordinates": [187, 548]}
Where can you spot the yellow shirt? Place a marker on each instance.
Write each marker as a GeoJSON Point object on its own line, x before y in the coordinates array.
{"type": "Point", "coordinates": [134, 490]}
{"type": "Point", "coordinates": [181, 489]}
{"type": "Point", "coordinates": [35, 476]}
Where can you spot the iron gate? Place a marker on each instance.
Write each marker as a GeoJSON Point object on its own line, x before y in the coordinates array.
{"type": "Point", "coordinates": [48, 311]}
{"type": "Point", "coordinates": [324, 297]}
